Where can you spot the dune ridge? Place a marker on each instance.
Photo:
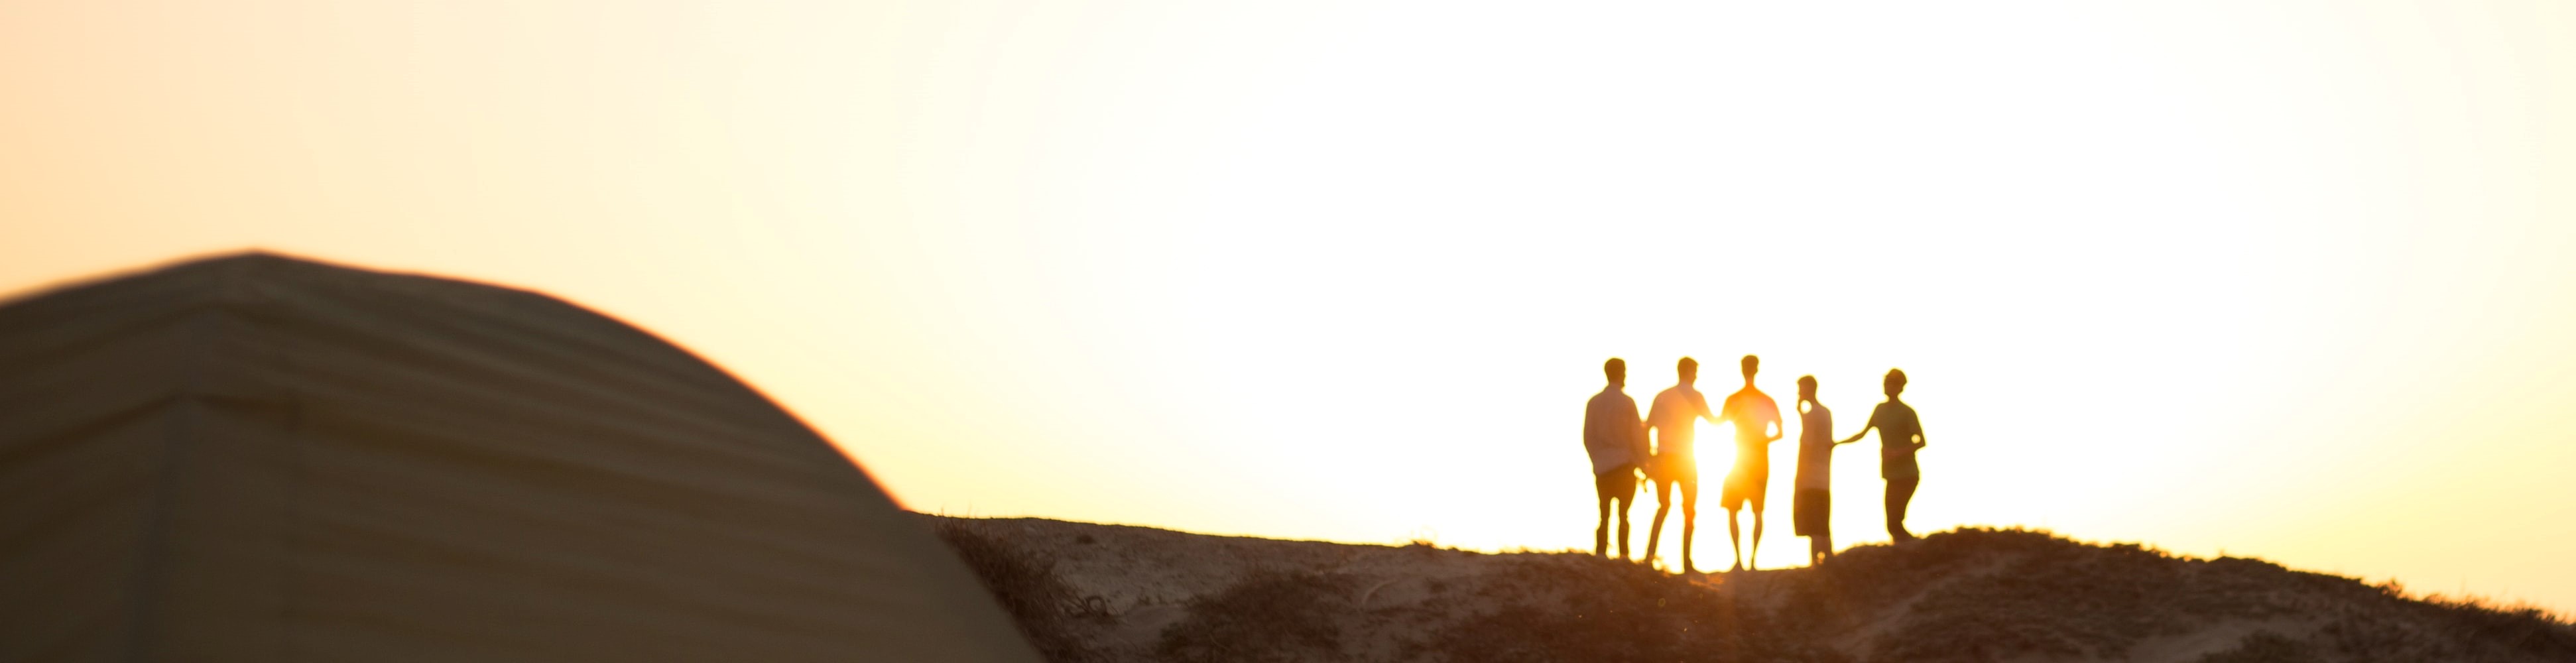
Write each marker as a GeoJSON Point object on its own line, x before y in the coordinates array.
{"type": "Point", "coordinates": [1096, 593]}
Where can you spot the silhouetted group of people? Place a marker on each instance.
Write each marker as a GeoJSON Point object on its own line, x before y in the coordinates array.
{"type": "Point", "coordinates": [1623, 446]}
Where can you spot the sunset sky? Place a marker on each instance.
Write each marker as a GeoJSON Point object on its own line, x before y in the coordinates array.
{"type": "Point", "coordinates": [2288, 280]}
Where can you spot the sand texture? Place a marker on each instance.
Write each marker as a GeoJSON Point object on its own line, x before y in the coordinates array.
{"type": "Point", "coordinates": [1088, 592]}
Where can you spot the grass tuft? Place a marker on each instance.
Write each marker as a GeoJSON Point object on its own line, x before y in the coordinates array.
{"type": "Point", "coordinates": [1025, 583]}
{"type": "Point", "coordinates": [1266, 616]}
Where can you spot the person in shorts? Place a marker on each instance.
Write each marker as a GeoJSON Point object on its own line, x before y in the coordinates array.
{"type": "Point", "coordinates": [1757, 425]}
{"type": "Point", "coordinates": [1616, 442]}
{"type": "Point", "coordinates": [1675, 411]}
{"type": "Point", "coordinates": [1812, 504]}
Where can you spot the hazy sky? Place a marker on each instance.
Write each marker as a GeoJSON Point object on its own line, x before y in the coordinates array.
{"type": "Point", "coordinates": [2276, 279]}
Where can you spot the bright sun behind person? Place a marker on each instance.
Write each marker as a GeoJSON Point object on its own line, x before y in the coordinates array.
{"type": "Point", "coordinates": [1713, 446]}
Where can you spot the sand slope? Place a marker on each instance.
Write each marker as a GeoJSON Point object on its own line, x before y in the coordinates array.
{"type": "Point", "coordinates": [1120, 593]}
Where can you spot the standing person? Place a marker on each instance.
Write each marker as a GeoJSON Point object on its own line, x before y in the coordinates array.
{"type": "Point", "coordinates": [1675, 411]}
{"type": "Point", "coordinates": [1900, 434]}
{"type": "Point", "coordinates": [1617, 443]}
{"type": "Point", "coordinates": [1812, 506]}
{"type": "Point", "coordinates": [1757, 425]}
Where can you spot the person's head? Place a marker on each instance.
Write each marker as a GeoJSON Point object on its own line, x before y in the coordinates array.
{"type": "Point", "coordinates": [1895, 382]}
{"type": "Point", "coordinates": [1616, 369]}
{"type": "Point", "coordinates": [1806, 387]}
{"type": "Point", "coordinates": [1752, 365]}
{"type": "Point", "coordinates": [1688, 368]}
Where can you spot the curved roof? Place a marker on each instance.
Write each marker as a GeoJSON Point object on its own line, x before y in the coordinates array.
{"type": "Point", "coordinates": [257, 458]}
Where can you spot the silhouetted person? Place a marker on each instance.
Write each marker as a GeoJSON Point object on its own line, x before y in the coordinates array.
{"type": "Point", "coordinates": [1672, 416]}
{"type": "Point", "coordinates": [1617, 443]}
{"type": "Point", "coordinates": [1899, 435]}
{"type": "Point", "coordinates": [1812, 506]}
{"type": "Point", "coordinates": [1757, 425]}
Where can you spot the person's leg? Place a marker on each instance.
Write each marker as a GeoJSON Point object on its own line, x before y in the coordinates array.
{"type": "Point", "coordinates": [1601, 531]}
{"type": "Point", "coordinates": [1624, 502]}
{"type": "Point", "coordinates": [1618, 490]}
{"type": "Point", "coordinates": [1813, 515]}
{"type": "Point", "coordinates": [1756, 561]}
{"type": "Point", "coordinates": [1690, 520]}
{"type": "Point", "coordinates": [1899, 492]}
{"type": "Point", "coordinates": [1603, 493]}
{"type": "Point", "coordinates": [1825, 522]}
{"type": "Point", "coordinates": [1655, 530]}
{"type": "Point", "coordinates": [1734, 541]}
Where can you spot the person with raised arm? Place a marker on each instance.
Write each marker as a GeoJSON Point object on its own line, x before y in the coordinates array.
{"type": "Point", "coordinates": [1616, 441]}
{"type": "Point", "coordinates": [1900, 434]}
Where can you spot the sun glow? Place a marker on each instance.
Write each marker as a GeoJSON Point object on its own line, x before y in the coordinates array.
{"type": "Point", "coordinates": [1348, 270]}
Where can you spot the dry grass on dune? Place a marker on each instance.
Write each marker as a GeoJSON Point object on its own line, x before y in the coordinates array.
{"type": "Point", "coordinates": [1025, 583]}
{"type": "Point", "coordinates": [1967, 595]}
{"type": "Point", "coordinates": [1573, 607]}
{"type": "Point", "coordinates": [1982, 594]}
{"type": "Point", "coordinates": [1267, 616]}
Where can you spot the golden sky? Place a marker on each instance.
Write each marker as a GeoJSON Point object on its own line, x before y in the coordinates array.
{"type": "Point", "coordinates": [2286, 280]}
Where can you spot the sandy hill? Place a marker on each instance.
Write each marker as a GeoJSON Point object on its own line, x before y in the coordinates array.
{"type": "Point", "coordinates": [1087, 592]}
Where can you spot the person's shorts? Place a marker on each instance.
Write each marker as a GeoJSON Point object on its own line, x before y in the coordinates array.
{"type": "Point", "coordinates": [1898, 467]}
{"type": "Point", "coordinates": [1673, 469]}
{"type": "Point", "coordinates": [1745, 484]}
{"type": "Point", "coordinates": [1812, 512]}
{"type": "Point", "coordinates": [1617, 484]}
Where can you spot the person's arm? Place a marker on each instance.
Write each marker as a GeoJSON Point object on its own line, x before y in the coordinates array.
{"type": "Point", "coordinates": [1590, 427]}
{"type": "Point", "coordinates": [1876, 415]}
{"type": "Point", "coordinates": [1854, 438]}
{"type": "Point", "coordinates": [1919, 440]}
{"type": "Point", "coordinates": [1779, 425]}
{"type": "Point", "coordinates": [1637, 435]}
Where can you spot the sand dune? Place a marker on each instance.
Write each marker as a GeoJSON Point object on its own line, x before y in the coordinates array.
{"type": "Point", "coordinates": [1090, 592]}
